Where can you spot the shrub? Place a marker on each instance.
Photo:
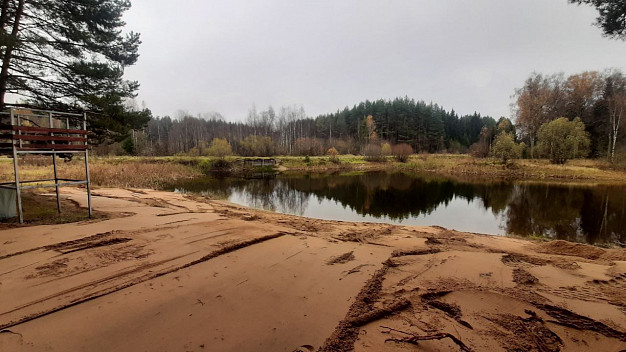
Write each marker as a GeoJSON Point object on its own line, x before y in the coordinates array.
{"type": "Point", "coordinates": [342, 146]}
{"type": "Point", "coordinates": [481, 148]}
{"type": "Point", "coordinates": [562, 139]}
{"type": "Point", "coordinates": [128, 145]}
{"type": "Point", "coordinates": [195, 151]}
{"type": "Point", "coordinates": [402, 152]}
{"type": "Point", "coordinates": [257, 146]}
{"type": "Point", "coordinates": [386, 149]}
{"type": "Point", "coordinates": [505, 148]}
{"type": "Point", "coordinates": [309, 146]}
{"type": "Point", "coordinates": [332, 155]}
{"type": "Point", "coordinates": [219, 148]}
{"type": "Point", "coordinates": [204, 166]}
{"type": "Point", "coordinates": [456, 147]}
{"type": "Point", "coordinates": [373, 152]}
{"type": "Point", "coordinates": [220, 165]}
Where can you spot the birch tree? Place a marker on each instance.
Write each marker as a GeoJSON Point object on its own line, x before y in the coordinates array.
{"type": "Point", "coordinates": [615, 96]}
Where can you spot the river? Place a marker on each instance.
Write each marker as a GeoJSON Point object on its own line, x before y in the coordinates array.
{"type": "Point", "coordinates": [592, 214]}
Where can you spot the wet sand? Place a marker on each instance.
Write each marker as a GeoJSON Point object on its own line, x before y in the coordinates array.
{"type": "Point", "coordinates": [177, 273]}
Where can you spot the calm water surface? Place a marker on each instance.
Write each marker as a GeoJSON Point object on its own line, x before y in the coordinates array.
{"type": "Point", "coordinates": [592, 214]}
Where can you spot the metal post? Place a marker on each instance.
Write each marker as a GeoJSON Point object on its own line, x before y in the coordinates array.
{"type": "Point", "coordinates": [19, 123]}
{"type": "Point", "coordinates": [15, 169]}
{"type": "Point", "coordinates": [87, 165]}
{"type": "Point", "coordinates": [54, 164]}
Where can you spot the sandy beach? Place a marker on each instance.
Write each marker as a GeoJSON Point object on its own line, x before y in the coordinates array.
{"type": "Point", "coordinates": [169, 272]}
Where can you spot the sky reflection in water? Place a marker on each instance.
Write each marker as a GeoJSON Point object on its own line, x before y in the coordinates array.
{"type": "Point", "coordinates": [593, 214]}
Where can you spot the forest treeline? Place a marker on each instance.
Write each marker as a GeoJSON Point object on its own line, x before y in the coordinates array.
{"type": "Point", "coordinates": [427, 127]}
{"type": "Point", "coordinates": [598, 99]}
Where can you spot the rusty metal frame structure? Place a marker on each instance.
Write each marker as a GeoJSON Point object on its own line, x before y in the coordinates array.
{"type": "Point", "coordinates": [34, 131]}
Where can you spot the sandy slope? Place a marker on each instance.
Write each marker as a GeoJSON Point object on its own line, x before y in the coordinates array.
{"type": "Point", "coordinates": [180, 274]}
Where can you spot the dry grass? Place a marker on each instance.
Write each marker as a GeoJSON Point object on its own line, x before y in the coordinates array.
{"type": "Point", "coordinates": [466, 165]}
{"type": "Point", "coordinates": [105, 172]}
{"type": "Point", "coordinates": [324, 163]}
{"type": "Point", "coordinates": [141, 175]}
{"type": "Point", "coordinates": [537, 169]}
{"type": "Point", "coordinates": [143, 172]}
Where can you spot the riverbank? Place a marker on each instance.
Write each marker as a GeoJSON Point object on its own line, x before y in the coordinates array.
{"type": "Point", "coordinates": [156, 172]}
{"type": "Point", "coordinates": [446, 165]}
{"type": "Point", "coordinates": [172, 272]}
{"type": "Point", "coordinates": [466, 165]}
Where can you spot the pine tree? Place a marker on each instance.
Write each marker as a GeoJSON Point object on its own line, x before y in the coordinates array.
{"type": "Point", "coordinates": [70, 54]}
{"type": "Point", "coordinates": [611, 18]}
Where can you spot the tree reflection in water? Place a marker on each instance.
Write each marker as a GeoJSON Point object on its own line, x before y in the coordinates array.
{"type": "Point", "coordinates": [275, 195]}
{"type": "Point", "coordinates": [593, 214]}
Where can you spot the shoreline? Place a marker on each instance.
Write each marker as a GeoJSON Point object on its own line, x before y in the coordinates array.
{"type": "Point", "coordinates": [200, 274]}
{"type": "Point", "coordinates": [461, 165]}
{"type": "Point", "coordinates": [154, 172]}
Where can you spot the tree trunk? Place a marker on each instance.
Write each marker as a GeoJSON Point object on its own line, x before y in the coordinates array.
{"type": "Point", "coordinates": [617, 124]}
{"type": "Point", "coordinates": [608, 147]}
{"type": "Point", "coordinates": [6, 59]}
{"type": "Point", "coordinates": [613, 146]}
{"type": "Point", "coordinates": [616, 119]}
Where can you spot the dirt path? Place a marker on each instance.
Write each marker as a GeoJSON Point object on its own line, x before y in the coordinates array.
{"type": "Point", "coordinates": [182, 274]}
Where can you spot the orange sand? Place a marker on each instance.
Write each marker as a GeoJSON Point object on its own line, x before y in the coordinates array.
{"type": "Point", "coordinates": [177, 273]}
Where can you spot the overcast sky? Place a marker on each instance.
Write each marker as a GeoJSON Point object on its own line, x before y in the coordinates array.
{"type": "Point", "coordinates": [225, 56]}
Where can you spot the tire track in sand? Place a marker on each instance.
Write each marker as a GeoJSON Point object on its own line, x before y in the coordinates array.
{"type": "Point", "coordinates": [224, 250]}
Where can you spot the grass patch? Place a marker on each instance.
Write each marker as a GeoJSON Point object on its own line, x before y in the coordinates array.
{"type": "Point", "coordinates": [122, 172]}
{"type": "Point", "coordinates": [536, 169]}
{"type": "Point", "coordinates": [316, 162]}
{"type": "Point", "coordinates": [158, 172]}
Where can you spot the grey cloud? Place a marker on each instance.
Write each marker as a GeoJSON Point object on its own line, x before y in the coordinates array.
{"type": "Point", "coordinates": [468, 55]}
